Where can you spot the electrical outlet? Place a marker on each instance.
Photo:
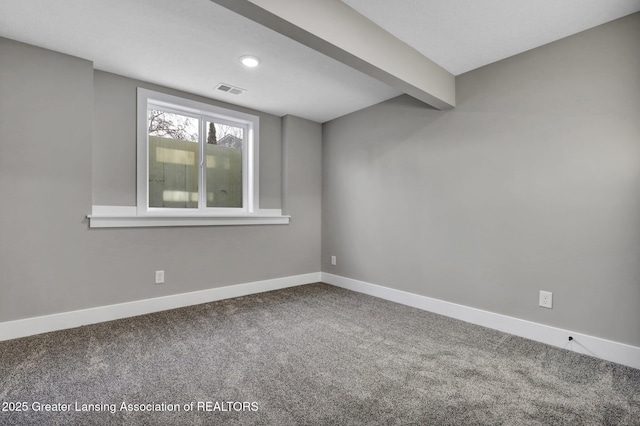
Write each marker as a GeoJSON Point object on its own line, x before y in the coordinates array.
{"type": "Point", "coordinates": [546, 299]}
{"type": "Point", "coordinates": [333, 260]}
{"type": "Point", "coordinates": [159, 277]}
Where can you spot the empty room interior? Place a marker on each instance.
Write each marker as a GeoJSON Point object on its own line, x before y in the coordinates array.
{"type": "Point", "coordinates": [320, 212]}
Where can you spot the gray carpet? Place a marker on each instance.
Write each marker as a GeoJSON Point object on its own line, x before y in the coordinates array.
{"type": "Point", "coordinates": [310, 355]}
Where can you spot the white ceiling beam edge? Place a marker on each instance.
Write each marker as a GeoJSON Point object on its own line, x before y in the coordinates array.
{"type": "Point", "coordinates": [334, 29]}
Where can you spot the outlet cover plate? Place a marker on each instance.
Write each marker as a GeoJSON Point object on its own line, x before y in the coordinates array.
{"type": "Point", "coordinates": [159, 277]}
{"type": "Point", "coordinates": [546, 299]}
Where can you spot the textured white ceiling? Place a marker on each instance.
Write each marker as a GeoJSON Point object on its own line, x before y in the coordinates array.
{"type": "Point", "coordinates": [193, 45]}
{"type": "Point", "coordinates": [461, 35]}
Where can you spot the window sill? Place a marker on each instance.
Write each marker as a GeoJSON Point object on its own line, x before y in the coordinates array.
{"type": "Point", "coordinates": [125, 217]}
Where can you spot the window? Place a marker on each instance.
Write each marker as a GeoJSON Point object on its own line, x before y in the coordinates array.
{"type": "Point", "coordinates": [197, 165]}
{"type": "Point", "coordinates": [195, 158]}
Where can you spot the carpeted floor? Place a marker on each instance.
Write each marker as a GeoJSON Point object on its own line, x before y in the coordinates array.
{"type": "Point", "coordinates": [310, 355]}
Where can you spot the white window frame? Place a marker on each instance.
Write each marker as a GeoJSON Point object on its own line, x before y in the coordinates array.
{"type": "Point", "coordinates": [250, 165]}
{"type": "Point", "coordinates": [142, 216]}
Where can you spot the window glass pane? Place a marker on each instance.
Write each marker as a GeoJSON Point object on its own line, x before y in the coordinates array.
{"type": "Point", "coordinates": [173, 160]}
{"type": "Point", "coordinates": [224, 165]}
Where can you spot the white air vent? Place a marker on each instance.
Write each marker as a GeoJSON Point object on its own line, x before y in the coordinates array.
{"type": "Point", "coordinates": [230, 89]}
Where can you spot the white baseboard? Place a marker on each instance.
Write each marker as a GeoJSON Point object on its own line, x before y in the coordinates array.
{"type": "Point", "coordinates": [43, 324]}
{"type": "Point", "coordinates": [582, 343]}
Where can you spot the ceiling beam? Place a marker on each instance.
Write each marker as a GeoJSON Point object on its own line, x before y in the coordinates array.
{"type": "Point", "coordinates": [334, 29]}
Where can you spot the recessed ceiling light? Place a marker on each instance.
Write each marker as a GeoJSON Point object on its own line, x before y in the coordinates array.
{"type": "Point", "coordinates": [250, 61]}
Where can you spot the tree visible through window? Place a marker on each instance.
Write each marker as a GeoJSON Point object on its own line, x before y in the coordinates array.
{"type": "Point", "coordinates": [174, 126]}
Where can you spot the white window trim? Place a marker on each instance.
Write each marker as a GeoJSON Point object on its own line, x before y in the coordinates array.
{"type": "Point", "coordinates": [143, 216]}
{"type": "Point", "coordinates": [250, 161]}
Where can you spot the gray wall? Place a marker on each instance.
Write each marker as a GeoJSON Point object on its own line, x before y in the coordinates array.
{"type": "Point", "coordinates": [114, 142]}
{"type": "Point", "coordinates": [51, 262]}
{"type": "Point", "coordinates": [302, 154]}
{"type": "Point", "coordinates": [531, 183]}
{"type": "Point", "coordinates": [46, 103]}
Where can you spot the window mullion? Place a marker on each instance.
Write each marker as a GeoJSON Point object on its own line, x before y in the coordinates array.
{"type": "Point", "coordinates": [247, 174]}
{"type": "Point", "coordinates": [202, 166]}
